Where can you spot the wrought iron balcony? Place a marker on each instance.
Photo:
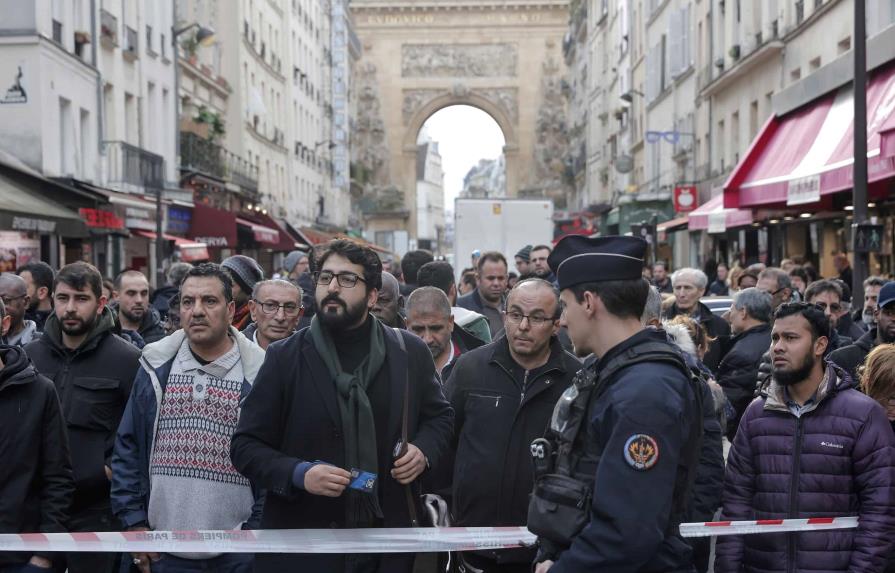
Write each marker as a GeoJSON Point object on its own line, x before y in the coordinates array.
{"type": "Point", "coordinates": [132, 168]}
{"type": "Point", "coordinates": [202, 155]}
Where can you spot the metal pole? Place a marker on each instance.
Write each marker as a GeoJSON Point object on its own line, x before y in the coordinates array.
{"type": "Point", "coordinates": [159, 245]}
{"type": "Point", "coordinates": [859, 191]}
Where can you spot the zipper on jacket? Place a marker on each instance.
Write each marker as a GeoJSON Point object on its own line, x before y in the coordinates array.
{"type": "Point", "coordinates": [524, 388]}
{"type": "Point", "coordinates": [496, 398]}
{"type": "Point", "coordinates": [794, 494]}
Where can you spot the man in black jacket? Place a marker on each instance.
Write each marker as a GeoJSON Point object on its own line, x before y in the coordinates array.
{"type": "Point", "coordinates": [135, 314]}
{"type": "Point", "coordinates": [429, 317]}
{"type": "Point", "coordinates": [35, 477]}
{"type": "Point", "coordinates": [488, 297]}
{"type": "Point", "coordinates": [851, 358]}
{"type": "Point", "coordinates": [322, 425]}
{"type": "Point", "coordinates": [93, 370]}
{"type": "Point", "coordinates": [38, 276]}
{"type": "Point", "coordinates": [503, 396]}
{"type": "Point", "coordinates": [161, 297]}
{"type": "Point", "coordinates": [689, 285]}
{"type": "Point", "coordinates": [750, 317]}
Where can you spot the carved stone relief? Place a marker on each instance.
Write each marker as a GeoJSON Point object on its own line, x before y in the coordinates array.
{"type": "Point", "coordinates": [415, 99]}
{"type": "Point", "coordinates": [458, 60]}
{"type": "Point", "coordinates": [504, 98]}
{"type": "Point", "coordinates": [507, 98]}
{"type": "Point", "coordinates": [369, 150]}
{"type": "Point", "coordinates": [552, 138]}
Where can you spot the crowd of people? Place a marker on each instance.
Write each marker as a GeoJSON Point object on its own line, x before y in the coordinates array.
{"type": "Point", "coordinates": [597, 401]}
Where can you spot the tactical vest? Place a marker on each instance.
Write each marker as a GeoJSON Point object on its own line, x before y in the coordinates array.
{"type": "Point", "coordinates": [560, 504]}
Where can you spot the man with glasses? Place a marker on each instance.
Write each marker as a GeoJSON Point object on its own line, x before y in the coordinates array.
{"type": "Point", "coordinates": [14, 292]}
{"type": "Point", "coordinates": [276, 309]}
{"type": "Point", "coordinates": [322, 430]}
{"type": "Point", "coordinates": [826, 295]}
{"type": "Point", "coordinates": [851, 357]}
{"type": "Point", "coordinates": [776, 282]}
{"type": "Point", "coordinates": [503, 395]}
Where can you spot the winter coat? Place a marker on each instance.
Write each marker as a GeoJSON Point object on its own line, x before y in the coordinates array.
{"type": "Point", "coordinates": [136, 435]}
{"type": "Point", "coordinates": [715, 326]}
{"type": "Point", "coordinates": [738, 370]}
{"type": "Point", "coordinates": [719, 288]}
{"type": "Point", "coordinates": [836, 459]}
{"type": "Point", "coordinates": [500, 408]}
{"type": "Point", "coordinates": [36, 484]}
{"type": "Point", "coordinates": [464, 341]}
{"type": "Point", "coordinates": [473, 322]}
{"type": "Point", "coordinates": [852, 357]}
{"type": "Point", "coordinates": [93, 383]}
{"type": "Point", "coordinates": [161, 299]}
{"type": "Point", "coordinates": [847, 327]}
{"type": "Point", "coordinates": [473, 301]}
{"type": "Point", "coordinates": [27, 334]}
{"type": "Point", "coordinates": [292, 415]}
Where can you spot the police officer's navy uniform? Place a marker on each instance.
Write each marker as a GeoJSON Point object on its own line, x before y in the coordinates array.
{"type": "Point", "coordinates": [636, 446]}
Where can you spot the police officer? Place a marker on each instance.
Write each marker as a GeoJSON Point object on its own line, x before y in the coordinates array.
{"type": "Point", "coordinates": [613, 474]}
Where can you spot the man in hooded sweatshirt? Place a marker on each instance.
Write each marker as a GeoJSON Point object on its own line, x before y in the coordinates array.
{"type": "Point", "coordinates": [93, 371]}
{"type": "Point", "coordinates": [35, 476]}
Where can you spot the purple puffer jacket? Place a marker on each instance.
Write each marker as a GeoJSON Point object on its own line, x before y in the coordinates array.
{"type": "Point", "coordinates": [836, 459]}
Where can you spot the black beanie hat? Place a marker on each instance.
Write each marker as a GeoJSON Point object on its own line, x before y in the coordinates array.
{"type": "Point", "coordinates": [244, 270]}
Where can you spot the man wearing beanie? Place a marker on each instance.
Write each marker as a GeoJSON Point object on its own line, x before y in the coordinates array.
{"type": "Point", "coordinates": [245, 272]}
{"type": "Point", "coordinates": [523, 262]}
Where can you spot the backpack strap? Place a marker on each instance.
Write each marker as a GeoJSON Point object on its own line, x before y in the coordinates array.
{"type": "Point", "coordinates": [405, 421]}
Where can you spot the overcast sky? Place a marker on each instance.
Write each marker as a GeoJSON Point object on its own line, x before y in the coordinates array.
{"type": "Point", "coordinates": [464, 134]}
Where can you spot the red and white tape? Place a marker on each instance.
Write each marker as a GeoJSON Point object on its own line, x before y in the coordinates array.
{"type": "Point", "coordinates": [715, 528]}
{"type": "Point", "coordinates": [384, 540]}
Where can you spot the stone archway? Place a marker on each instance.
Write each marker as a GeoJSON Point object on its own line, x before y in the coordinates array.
{"type": "Point", "coordinates": [505, 59]}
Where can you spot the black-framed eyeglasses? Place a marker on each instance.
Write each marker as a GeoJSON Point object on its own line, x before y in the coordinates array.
{"type": "Point", "coordinates": [537, 320]}
{"type": "Point", "coordinates": [290, 309]}
{"type": "Point", "coordinates": [8, 299]}
{"type": "Point", "coordinates": [345, 280]}
{"type": "Point", "coordinates": [822, 306]}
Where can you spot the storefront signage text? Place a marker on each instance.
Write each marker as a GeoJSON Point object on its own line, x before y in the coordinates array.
{"type": "Point", "coordinates": [803, 190]}
{"type": "Point", "coordinates": [139, 219]}
{"type": "Point", "coordinates": [717, 222]}
{"type": "Point", "coordinates": [29, 224]}
{"type": "Point", "coordinates": [179, 220]}
{"type": "Point", "coordinates": [97, 218]}
{"type": "Point", "coordinates": [212, 241]}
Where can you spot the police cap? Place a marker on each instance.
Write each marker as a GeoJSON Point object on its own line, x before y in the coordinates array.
{"type": "Point", "coordinates": [578, 259]}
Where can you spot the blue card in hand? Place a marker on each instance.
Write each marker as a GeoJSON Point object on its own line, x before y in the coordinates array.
{"type": "Point", "coordinates": [362, 481]}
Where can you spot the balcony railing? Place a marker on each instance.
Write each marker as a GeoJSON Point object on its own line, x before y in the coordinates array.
{"type": "Point", "coordinates": [199, 154]}
{"type": "Point", "coordinates": [108, 28]}
{"type": "Point", "coordinates": [133, 168]}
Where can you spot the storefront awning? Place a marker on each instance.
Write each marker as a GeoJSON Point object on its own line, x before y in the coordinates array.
{"type": "Point", "coordinates": [806, 154]}
{"type": "Point", "coordinates": [23, 209]}
{"type": "Point", "coordinates": [714, 218]}
{"type": "Point", "coordinates": [887, 138]}
{"type": "Point", "coordinates": [190, 251]}
{"type": "Point", "coordinates": [673, 225]}
{"type": "Point", "coordinates": [214, 227]}
{"type": "Point", "coordinates": [262, 234]}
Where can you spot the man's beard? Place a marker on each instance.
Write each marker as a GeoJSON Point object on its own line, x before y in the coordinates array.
{"type": "Point", "coordinates": [796, 375]}
{"type": "Point", "coordinates": [83, 326]}
{"type": "Point", "coordinates": [437, 349]}
{"type": "Point", "coordinates": [132, 315]}
{"type": "Point", "coordinates": [868, 318]}
{"type": "Point", "coordinates": [334, 321]}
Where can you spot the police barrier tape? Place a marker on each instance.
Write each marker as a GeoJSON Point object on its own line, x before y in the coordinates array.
{"type": "Point", "coordinates": [382, 540]}
{"type": "Point", "coordinates": [715, 528]}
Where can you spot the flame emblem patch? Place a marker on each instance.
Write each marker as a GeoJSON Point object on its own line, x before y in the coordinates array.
{"type": "Point", "coordinates": [641, 452]}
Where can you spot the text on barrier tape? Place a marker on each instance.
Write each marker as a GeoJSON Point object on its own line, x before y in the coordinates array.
{"type": "Point", "coordinates": [382, 540]}
{"type": "Point", "coordinates": [715, 528]}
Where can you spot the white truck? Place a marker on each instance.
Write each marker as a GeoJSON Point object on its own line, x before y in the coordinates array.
{"type": "Point", "coordinates": [503, 225]}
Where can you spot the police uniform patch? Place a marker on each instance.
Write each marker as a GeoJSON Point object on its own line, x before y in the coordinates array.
{"type": "Point", "coordinates": [641, 452]}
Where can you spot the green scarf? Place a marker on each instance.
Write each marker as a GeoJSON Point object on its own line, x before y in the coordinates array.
{"type": "Point", "coordinates": [358, 427]}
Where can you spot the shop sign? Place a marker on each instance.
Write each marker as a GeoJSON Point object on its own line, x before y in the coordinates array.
{"type": "Point", "coordinates": [717, 222]}
{"type": "Point", "coordinates": [17, 249]}
{"type": "Point", "coordinates": [99, 219]}
{"type": "Point", "coordinates": [179, 219]}
{"type": "Point", "coordinates": [212, 241]}
{"type": "Point", "coordinates": [36, 225]}
{"type": "Point", "coordinates": [803, 190]}
{"type": "Point", "coordinates": [139, 219]}
{"type": "Point", "coordinates": [685, 198]}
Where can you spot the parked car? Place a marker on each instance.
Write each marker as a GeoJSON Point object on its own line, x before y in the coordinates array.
{"type": "Point", "coordinates": [717, 304]}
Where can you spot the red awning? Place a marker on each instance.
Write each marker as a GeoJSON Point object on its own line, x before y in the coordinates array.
{"type": "Point", "coordinates": [806, 154]}
{"type": "Point", "coordinates": [214, 227]}
{"type": "Point", "coordinates": [261, 233]}
{"type": "Point", "coordinates": [713, 217]}
{"type": "Point", "coordinates": [887, 138]}
{"type": "Point", "coordinates": [190, 251]}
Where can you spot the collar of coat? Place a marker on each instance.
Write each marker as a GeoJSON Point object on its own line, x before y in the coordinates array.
{"type": "Point", "coordinates": [161, 352]}
{"type": "Point", "coordinates": [502, 357]}
{"type": "Point", "coordinates": [835, 380]}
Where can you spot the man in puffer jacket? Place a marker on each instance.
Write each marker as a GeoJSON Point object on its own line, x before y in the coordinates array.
{"type": "Point", "coordinates": [810, 446]}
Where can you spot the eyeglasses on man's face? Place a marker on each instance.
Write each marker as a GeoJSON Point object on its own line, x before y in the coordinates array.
{"type": "Point", "coordinates": [290, 309]}
{"type": "Point", "coordinates": [822, 306]}
{"type": "Point", "coordinates": [516, 317]}
{"type": "Point", "coordinates": [345, 280]}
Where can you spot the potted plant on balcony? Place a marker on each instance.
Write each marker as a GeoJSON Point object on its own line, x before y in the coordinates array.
{"type": "Point", "coordinates": [190, 45]}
